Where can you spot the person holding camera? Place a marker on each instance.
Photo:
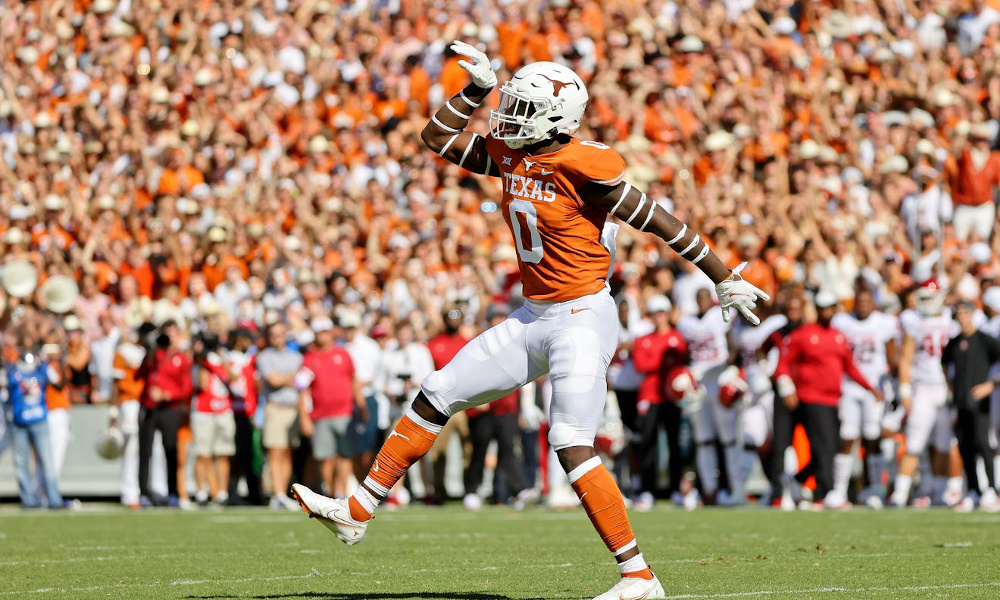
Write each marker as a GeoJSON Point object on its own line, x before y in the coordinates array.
{"type": "Point", "coordinates": [212, 422]}
{"type": "Point", "coordinates": [166, 372]}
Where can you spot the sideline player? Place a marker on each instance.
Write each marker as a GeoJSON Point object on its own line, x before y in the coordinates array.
{"type": "Point", "coordinates": [711, 347]}
{"type": "Point", "coordinates": [760, 360]}
{"type": "Point", "coordinates": [557, 194]}
{"type": "Point", "coordinates": [923, 391]}
{"type": "Point", "coordinates": [871, 334]}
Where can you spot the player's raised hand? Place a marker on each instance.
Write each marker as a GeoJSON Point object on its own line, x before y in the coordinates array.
{"type": "Point", "coordinates": [740, 294]}
{"type": "Point", "coordinates": [478, 64]}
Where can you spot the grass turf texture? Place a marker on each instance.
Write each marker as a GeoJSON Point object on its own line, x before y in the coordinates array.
{"type": "Point", "coordinates": [496, 554]}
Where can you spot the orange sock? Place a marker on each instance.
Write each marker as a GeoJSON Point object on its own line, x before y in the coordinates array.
{"type": "Point", "coordinates": [358, 512]}
{"type": "Point", "coordinates": [407, 443]}
{"type": "Point", "coordinates": [646, 574]}
{"type": "Point", "coordinates": [604, 504]}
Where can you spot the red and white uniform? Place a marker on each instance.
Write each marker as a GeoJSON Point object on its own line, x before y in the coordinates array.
{"type": "Point", "coordinates": [212, 423]}
{"type": "Point", "coordinates": [929, 420]}
{"type": "Point", "coordinates": [244, 386]}
{"type": "Point", "coordinates": [214, 398]}
{"type": "Point", "coordinates": [568, 326]}
{"type": "Point", "coordinates": [708, 344]}
{"type": "Point", "coordinates": [655, 355]}
{"type": "Point", "coordinates": [757, 415]}
{"type": "Point", "coordinates": [860, 413]}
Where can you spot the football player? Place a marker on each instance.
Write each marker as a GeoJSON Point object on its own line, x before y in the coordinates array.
{"type": "Point", "coordinates": [711, 347]}
{"type": "Point", "coordinates": [923, 391]}
{"type": "Point", "coordinates": [557, 194]}
{"type": "Point", "coordinates": [871, 334]}
{"type": "Point", "coordinates": [759, 359]}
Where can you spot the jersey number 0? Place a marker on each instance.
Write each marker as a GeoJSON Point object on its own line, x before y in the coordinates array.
{"type": "Point", "coordinates": [530, 250]}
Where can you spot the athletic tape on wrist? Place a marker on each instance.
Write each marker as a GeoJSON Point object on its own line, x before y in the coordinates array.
{"type": "Point", "coordinates": [471, 104]}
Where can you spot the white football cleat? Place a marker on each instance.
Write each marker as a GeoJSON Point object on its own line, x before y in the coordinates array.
{"type": "Point", "coordinates": [692, 500]}
{"type": "Point", "coordinates": [472, 502]}
{"type": "Point", "coordinates": [989, 502]}
{"type": "Point", "coordinates": [645, 502]}
{"type": "Point", "coordinates": [634, 588]}
{"type": "Point", "coordinates": [874, 502]}
{"type": "Point", "coordinates": [952, 497]}
{"type": "Point", "coordinates": [836, 501]}
{"type": "Point", "coordinates": [334, 513]}
{"type": "Point", "coordinates": [966, 504]}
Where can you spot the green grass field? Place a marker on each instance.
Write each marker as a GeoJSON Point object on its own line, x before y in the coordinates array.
{"type": "Point", "coordinates": [496, 554]}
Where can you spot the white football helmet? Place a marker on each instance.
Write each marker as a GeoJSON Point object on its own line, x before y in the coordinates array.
{"type": "Point", "coordinates": [540, 100]}
{"type": "Point", "coordinates": [930, 298]}
{"type": "Point", "coordinates": [110, 444]}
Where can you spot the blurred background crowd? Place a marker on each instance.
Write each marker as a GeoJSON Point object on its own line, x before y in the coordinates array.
{"type": "Point", "coordinates": [229, 167]}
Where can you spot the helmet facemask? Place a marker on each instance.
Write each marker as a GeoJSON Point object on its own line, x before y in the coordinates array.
{"type": "Point", "coordinates": [930, 300]}
{"type": "Point", "coordinates": [515, 121]}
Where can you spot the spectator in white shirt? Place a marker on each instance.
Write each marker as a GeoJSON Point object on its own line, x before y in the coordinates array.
{"type": "Point", "coordinates": [102, 359]}
{"type": "Point", "coordinates": [930, 208]}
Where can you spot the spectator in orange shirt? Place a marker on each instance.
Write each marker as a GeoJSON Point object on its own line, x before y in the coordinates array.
{"type": "Point", "coordinates": [748, 250]}
{"type": "Point", "coordinates": [974, 176]}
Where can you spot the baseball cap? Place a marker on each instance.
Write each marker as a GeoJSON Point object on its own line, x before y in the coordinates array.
{"type": "Point", "coordinates": [349, 318]}
{"type": "Point", "coordinates": [72, 323]}
{"type": "Point", "coordinates": [825, 299]}
{"type": "Point", "coordinates": [657, 304]}
{"type": "Point", "coordinates": [320, 324]}
{"type": "Point", "coordinates": [991, 298]}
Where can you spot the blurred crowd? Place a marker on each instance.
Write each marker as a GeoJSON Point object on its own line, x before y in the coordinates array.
{"type": "Point", "coordinates": [236, 166]}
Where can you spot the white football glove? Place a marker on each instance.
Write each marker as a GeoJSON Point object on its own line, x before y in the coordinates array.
{"type": "Point", "coordinates": [740, 294]}
{"type": "Point", "coordinates": [478, 65]}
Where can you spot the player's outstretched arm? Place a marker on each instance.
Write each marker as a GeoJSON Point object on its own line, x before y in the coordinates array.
{"type": "Point", "coordinates": [632, 206]}
{"type": "Point", "coordinates": [445, 133]}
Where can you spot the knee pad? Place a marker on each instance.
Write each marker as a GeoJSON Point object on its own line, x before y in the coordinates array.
{"type": "Point", "coordinates": [436, 388]}
{"type": "Point", "coordinates": [561, 435]}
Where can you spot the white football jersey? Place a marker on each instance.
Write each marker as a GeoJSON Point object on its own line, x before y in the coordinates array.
{"type": "Point", "coordinates": [867, 339]}
{"type": "Point", "coordinates": [706, 338]}
{"type": "Point", "coordinates": [931, 335]}
{"type": "Point", "coordinates": [749, 339]}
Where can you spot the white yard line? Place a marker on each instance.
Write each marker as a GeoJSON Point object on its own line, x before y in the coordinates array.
{"type": "Point", "coordinates": [183, 582]}
{"type": "Point", "coordinates": [836, 590]}
{"type": "Point", "coordinates": [706, 560]}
